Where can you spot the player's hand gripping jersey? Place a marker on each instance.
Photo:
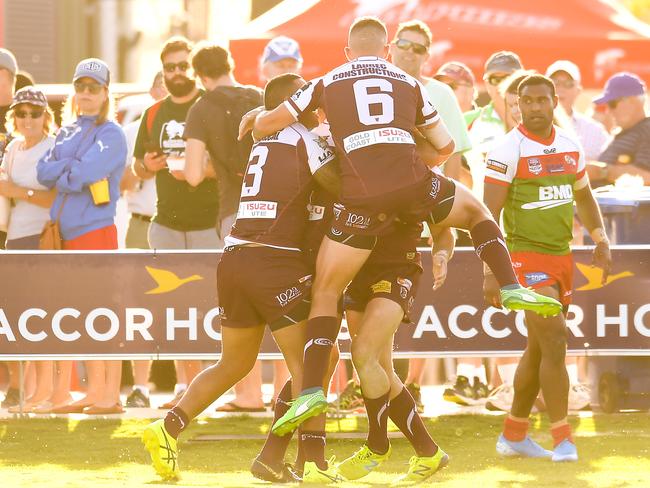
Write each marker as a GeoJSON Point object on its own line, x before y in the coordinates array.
{"type": "Point", "coordinates": [541, 175]}
{"type": "Point", "coordinates": [277, 184]}
{"type": "Point", "coordinates": [373, 107]}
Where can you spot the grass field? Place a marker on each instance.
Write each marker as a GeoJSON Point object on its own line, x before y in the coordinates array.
{"type": "Point", "coordinates": [614, 450]}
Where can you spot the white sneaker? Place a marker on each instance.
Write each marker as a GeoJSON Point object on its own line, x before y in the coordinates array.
{"type": "Point", "coordinates": [501, 398]}
{"type": "Point", "coordinates": [579, 397]}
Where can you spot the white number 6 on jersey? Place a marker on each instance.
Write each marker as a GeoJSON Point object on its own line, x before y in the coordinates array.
{"type": "Point", "coordinates": [364, 99]}
{"type": "Point", "coordinates": [255, 167]}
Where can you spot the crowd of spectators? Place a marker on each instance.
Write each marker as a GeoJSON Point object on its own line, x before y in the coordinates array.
{"type": "Point", "coordinates": [180, 172]}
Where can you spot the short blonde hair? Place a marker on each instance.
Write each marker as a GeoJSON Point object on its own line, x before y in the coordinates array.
{"type": "Point", "coordinates": [71, 109]}
{"type": "Point", "coordinates": [415, 26]}
{"type": "Point", "coordinates": [47, 123]}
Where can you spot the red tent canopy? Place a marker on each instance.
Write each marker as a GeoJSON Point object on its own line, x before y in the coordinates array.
{"type": "Point", "coordinates": [597, 35]}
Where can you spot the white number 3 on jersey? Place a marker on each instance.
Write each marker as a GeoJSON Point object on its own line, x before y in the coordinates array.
{"type": "Point", "coordinates": [255, 168]}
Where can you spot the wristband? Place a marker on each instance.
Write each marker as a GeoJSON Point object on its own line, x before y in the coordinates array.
{"type": "Point", "coordinates": [443, 254]}
{"type": "Point", "coordinates": [598, 235]}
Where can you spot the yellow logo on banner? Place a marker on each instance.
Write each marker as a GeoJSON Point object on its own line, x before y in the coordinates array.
{"type": "Point", "coordinates": [167, 281]}
{"type": "Point", "coordinates": [382, 286]}
{"type": "Point", "coordinates": [595, 275]}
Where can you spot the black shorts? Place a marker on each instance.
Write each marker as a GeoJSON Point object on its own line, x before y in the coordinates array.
{"type": "Point", "coordinates": [396, 282]}
{"type": "Point", "coordinates": [260, 285]}
{"type": "Point", "coordinates": [359, 224]}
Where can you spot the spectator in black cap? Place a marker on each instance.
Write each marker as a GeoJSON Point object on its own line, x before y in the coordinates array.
{"type": "Point", "coordinates": [629, 152]}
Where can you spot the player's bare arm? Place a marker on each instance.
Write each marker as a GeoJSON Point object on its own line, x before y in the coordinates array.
{"type": "Point", "coordinates": [590, 216]}
{"type": "Point", "coordinates": [494, 197]}
{"type": "Point", "coordinates": [247, 122]}
{"type": "Point", "coordinates": [197, 165]}
{"type": "Point", "coordinates": [442, 250]}
{"type": "Point", "coordinates": [438, 136]}
{"type": "Point", "coordinates": [269, 122]}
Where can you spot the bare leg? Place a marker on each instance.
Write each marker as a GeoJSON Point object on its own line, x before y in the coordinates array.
{"type": "Point", "coordinates": [113, 375]}
{"type": "Point", "coordinates": [62, 375]}
{"type": "Point", "coordinates": [248, 391]}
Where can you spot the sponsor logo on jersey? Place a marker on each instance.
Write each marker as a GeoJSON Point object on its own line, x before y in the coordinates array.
{"type": "Point", "coordinates": [336, 232]}
{"type": "Point", "coordinates": [435, 187]}
{"type": "Point", "coordinates": [550, 151]}
{"type": "Point", "coordinates": [222, 314]}
{"type": "Point", "coordinates": [570, 160]}
{"type": "Point", "coordinates": [257, 210]}
{"type": "Point", "coordinates": [404, 286]}
{"type": "Point", "coordinates": [387, 135]}
{"type": "Point", "coordinates": [296, 96]}
{"type": "Point", "coordinates": [306, 278]}
{"type": "Point", "coordinates": [534, 166]}
{"type": "Point", "coordinates": [534, 278]}
{"type": "Point", "coordinates": [555, 168]}
{"type": "Point", "coordinates": [337, 210]}
{"type": "Point", "coordinates": [383, 286]}
{"type": "Point", "coordinates": [551, 197]}
{"type": "Point", "coordinates": [316, 212]}
{"type": "Point", "coordinates": [497, 166]}
{"type": "Point", "coordinates": [410, 256]}
{"type": "Point", "coordinates": [357, 221]}
{"type": "Point", "coordinates": [288, 295]}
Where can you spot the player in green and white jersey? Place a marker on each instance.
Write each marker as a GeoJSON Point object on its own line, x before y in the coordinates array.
{"type": "Point", "coordinates": [534, 175]}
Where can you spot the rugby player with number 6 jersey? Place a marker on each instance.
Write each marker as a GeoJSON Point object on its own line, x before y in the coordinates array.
{"type": "Point", "coordinates": [534, 175]}
{"type": "Point", "coordinates": [263, 276]}
{"type": "Point", "coordinates": [375, 111]}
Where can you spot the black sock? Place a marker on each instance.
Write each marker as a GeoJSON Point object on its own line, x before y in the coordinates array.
{"type": "Point", "coordinates": [403, 412]}
{"type": "Point", "coordinates": [276, 446]}
{"type": "Point", "coordinates": [321, 334]}
{"type": "Point", "coordinates": [491, 248]}
{"type": "Point", "coordinates": [377, 410]}
{"type": "Point", "coordinates": [313, 444]}
{"type": "Point", "coordinates": [300, 454]}
{"type": "Point", "coordinates": [176, 421]}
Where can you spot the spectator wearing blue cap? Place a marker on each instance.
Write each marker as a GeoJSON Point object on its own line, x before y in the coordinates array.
{"type": "Point", "coordinates": [281, 55]}
{"type": "Point", "coordinates": [85, 166]}
{"type": "Point", "coordinates": [629, 152]}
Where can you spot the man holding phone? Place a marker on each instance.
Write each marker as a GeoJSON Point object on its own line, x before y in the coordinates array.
{"type": "Point", "coordinates": [185, 216]}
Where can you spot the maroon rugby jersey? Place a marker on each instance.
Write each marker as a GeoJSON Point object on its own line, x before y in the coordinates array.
{"type": "Point", "coordinates": [276, 188]}
{"type": "Point", "coordinates": [372, 107]}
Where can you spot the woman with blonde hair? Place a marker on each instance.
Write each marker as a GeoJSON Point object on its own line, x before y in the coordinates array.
{"type": "Point", "coordinates": [85, 166]}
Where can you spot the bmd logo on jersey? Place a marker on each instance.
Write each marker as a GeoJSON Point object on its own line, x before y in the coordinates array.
{"type": "Point", "coordinates": [551, 197]}
{"type": "Point", "coordinates": [534, 166]}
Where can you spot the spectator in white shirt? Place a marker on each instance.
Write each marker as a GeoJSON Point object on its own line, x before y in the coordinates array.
{"type": "Point", "coordinates": [593, 136]}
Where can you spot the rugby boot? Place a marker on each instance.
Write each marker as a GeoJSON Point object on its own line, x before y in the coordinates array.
{"type": "Point", "coordinates": [313, 474]}
{"type": "Point", "coordinates": [526, 299]}
{"type": "Point", "coordinates": [421, 468]}
{"type": "Point", "coordinates": [526, 448]}
{"type": "Point", "coordinates": [302, 408]}
{"type": "Point", "coordinates": [162, 449]}
{"type": "Point", "coordinates": [361, 463]}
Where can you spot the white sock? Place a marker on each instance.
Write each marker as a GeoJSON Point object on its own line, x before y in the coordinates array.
{"type": "Point", "coordinates": [479, 372]}
{"type": "Point", "coordinates": [572, 370]}
{"type": "Point", "coordinates": [180, 387]}
{"type": "Point", "coordinates": [143, 389]}
{"type": "Point", "coordinates": [507, 372]}
{"type": "Point", "coordinates": [466, 370]}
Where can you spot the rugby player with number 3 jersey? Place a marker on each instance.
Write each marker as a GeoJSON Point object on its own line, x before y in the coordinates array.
{"type": "Point", "coordinates": [534, 175]}
{"type": "Point", "coordinates": [263, 276]}
{"type": "Point", "coordinates": [375, 112]}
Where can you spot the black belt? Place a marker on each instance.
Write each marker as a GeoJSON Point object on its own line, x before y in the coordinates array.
{"type": "Point", "coordinates": [144, 218]}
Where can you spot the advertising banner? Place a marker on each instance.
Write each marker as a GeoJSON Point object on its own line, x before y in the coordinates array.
{"type": "Point", "coordinates": [163, 305]}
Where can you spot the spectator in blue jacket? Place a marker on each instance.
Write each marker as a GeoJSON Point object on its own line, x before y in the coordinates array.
{"type": "Point", "coordinates": [85, 166]}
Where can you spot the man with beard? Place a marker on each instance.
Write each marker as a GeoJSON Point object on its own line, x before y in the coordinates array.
{"type": "Point", "coordinates": [186, 216]}
{"type": "Point", "coordinates": [535, 174]}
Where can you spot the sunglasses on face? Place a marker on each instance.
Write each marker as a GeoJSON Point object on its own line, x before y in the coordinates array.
{"type": "Point", "coordinates": [171, 67]}
{"type": "Point", "coordinates": [415, 47]}
{"type": "Point", "coordinates": [614, 103]}
{"type": "Point", "coordinates": [93, 88]}
{"type": "Point", "coordinates": [23, 114]}
{"type": "Point", "coordinates": [494, 80]}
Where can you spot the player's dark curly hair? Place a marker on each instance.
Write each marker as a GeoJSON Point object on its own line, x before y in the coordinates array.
{"type": "Point", "coordinates": [211, 61]}
{"type": "Point", "coordinates": [536, 79]}
{"type": "Point", "coordinates": [278, 89]}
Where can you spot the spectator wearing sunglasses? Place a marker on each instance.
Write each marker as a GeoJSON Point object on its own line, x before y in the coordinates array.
{"type": "Point", "coordinates": [629, 151]}
{"type": "Point", "coordinates": [186, 215]}
{"type": "Point", "coordinates": [8, 69]}
{"type": "Point", "coordinates": [592, 135]}
{"type": "Point", "coordinates": [30, 122]}
{"type": "Point", "coordinates": [85, 166]}
{"type": "Point", "coordinates": [486, 124]}
{"type": "Point", "coordinates": [409, 51]}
